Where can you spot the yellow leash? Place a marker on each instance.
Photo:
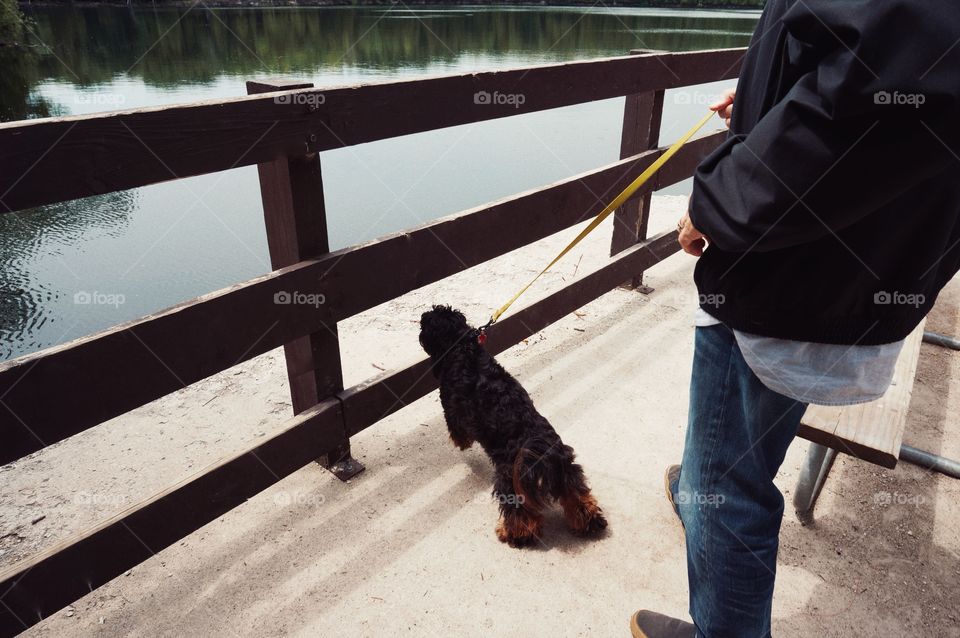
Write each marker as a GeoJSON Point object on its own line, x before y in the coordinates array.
{"type": "Point", "coordinates": [612, 206]}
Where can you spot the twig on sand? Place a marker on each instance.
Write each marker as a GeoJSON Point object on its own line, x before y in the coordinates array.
{"type": "Point", "coordinates": [211, 398]}
{"type": "Point", "coordinates": [577, 267]}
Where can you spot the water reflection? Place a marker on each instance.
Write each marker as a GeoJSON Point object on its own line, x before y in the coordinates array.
{"type": "Point", "coordinates": [34, 309]}
{"type": "Point", "coordinates": [172, 47]}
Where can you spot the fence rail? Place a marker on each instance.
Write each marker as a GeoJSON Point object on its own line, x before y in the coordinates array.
{"type": "Point", "coordinates": [62, 391]}
{"type": "Point", "coordinates": [107, 374]}
{"type": "Point", "coordinates": [94, 154]}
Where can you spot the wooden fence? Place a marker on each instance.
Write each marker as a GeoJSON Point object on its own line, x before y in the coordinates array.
{"type": "Point", "coordinates": [61, 391]}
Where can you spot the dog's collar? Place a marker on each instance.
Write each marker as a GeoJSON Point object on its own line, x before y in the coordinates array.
{"type": "Point", "coordinates": [482, 332]}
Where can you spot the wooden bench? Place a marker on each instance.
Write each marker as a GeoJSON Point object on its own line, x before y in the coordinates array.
{"type": "Point", "coordinates": [870, 431]}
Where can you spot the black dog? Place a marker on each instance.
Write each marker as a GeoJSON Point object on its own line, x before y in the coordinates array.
{"type": "Point", "coordinates": [483, 403]}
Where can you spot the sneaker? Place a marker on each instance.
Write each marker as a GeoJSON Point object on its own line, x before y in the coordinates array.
{"type": "Point", "coordinates": [671, 485]}
{"type": "Point", "coordinates": [648, 624]}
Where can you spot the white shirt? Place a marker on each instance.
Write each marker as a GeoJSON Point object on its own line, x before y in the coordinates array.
{"type": "Point", "coordinates": [821, 373]}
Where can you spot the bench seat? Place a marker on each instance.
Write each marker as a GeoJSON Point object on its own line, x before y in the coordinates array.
{"type": "Point", "coordinates": [870, 431]}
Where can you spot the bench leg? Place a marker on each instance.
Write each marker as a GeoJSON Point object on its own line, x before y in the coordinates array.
{"type": "Point", "coordinates": [930, 462]}
{"type": "Point", "coordinates": [938, 339]}
{"type": "Point", "coordinates": [812, 477]}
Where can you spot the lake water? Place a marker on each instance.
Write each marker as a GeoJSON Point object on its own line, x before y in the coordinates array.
{"type": "Point", "coordinates": [74, 268]}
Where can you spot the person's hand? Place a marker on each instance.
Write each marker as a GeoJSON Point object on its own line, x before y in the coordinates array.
{"type": "Point", "coordinates": [691, 240]}
{"type": "Point", "coordinates": [724, 107]}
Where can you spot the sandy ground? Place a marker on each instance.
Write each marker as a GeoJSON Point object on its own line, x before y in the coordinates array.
{"type": "Point", "coordinates": [407, 547]}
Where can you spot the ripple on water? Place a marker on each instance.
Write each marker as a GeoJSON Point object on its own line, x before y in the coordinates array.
{"type": "Point", "coordinates": [38, 284]}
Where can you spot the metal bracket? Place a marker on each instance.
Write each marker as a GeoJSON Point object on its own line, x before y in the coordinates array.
{"type": "Point", "coordinates": [641, 287]}
{"type": "Point", "coordinates": [345, 467]}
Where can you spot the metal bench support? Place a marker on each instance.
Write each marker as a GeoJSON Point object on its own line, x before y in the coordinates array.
{"type": "Point", "coordinates": [820, 459]}
{"type": "Point", "coordinates": [812, 477]}
{"type": "Point", "coordinates": [929, 461]}
{"type": "Point", "coordinates": [938, 339]}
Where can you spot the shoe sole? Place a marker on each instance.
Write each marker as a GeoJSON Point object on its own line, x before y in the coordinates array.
{"type": "Point", "coordinates": [635, 629]}
{"type": "Point", "coordinates": [669, 493]}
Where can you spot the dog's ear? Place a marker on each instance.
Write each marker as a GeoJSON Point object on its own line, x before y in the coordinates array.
{"type": "Point", "coordinates": [458, 317]}
{"type": "Point", "coordinates": [441, 329]}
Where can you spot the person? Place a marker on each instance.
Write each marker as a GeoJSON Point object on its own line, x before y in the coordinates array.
{"type": "Point", "coordinates": [825, 225]}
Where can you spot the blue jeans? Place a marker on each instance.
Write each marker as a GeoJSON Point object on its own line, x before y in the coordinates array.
{"type": "Point", "coordinates": [737, 435]}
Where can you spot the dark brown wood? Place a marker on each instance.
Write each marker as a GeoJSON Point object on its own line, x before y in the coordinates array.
{"type": "Point", "coordinates": [99, 377]}
{"type": "Point", "coordinates": [296, 220]}
{"type": "Point", "coordinates": [854, 449]}
{"type": "Point", "coordinates": [641, 131]}
{"type": "Point", "coordinates": [37, 587]}
{"type": "Point", "coordinates": [295, 217]}
{"type": "Point", "coordinates": [272, 85]}
{"type": "Point", "coordinates": [101, 153]}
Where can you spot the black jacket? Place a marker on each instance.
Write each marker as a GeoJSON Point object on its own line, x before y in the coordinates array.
{"type": "Point", "coordinates": [833, 208]}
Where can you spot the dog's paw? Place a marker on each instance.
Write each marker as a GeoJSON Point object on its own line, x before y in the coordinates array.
{"type": "Point", "coordinates": [594, 526]}
{"type": "Point", "coordinates": [463, 444]}
{"type": "Point", "coordinates": [584, 516]}
{"type": "Point", "coordinates": [517, 542]}
{"type": "Point", "coordinates": [516, 539]}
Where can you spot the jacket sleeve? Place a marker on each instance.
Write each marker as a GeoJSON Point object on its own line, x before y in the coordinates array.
{"type": "Point", "coordinates": [871, 115]}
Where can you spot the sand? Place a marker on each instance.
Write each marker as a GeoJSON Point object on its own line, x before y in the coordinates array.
{"type": "Point", "coordinates": [408, 548]}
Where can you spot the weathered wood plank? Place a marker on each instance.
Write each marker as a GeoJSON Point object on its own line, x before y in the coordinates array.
{"type": "Point", "coordinates": [104, 375]}
{"type": "Point", "coordinates": [641, 131]}
{"type": "Point", "coordinates": [295, 216]}
{"type": "Point", "coordinates": [870, 431]}
{"type": "Point", "coordinates": [40, 585]}
{"type": "Point", "coordinates": [101, 153]}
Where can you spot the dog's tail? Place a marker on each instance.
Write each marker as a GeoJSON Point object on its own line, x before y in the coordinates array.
{"type": "Point", "coordinates": [541, 468]}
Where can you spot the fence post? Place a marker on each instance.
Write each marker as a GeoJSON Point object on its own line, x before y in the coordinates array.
{"type": "Point", "coordinates": [641, 132]}
{"type": "Point", "coordinates": [295, 218]}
